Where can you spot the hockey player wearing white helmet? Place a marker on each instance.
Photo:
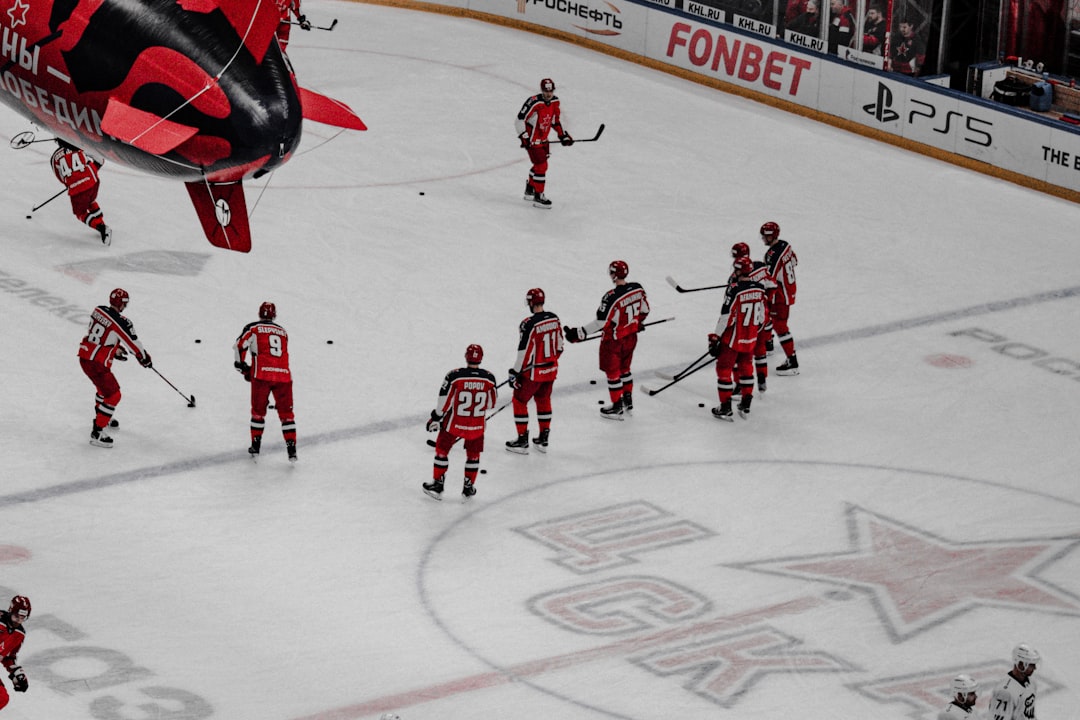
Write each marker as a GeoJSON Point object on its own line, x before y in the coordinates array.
{"type": "Point", "coordinates": [964, 695]}
{"type": "Point", "coordinates": [1014, 697]}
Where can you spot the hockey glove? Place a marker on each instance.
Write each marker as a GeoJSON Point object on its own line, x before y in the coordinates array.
{"type": "Point", "coordinates": [304, 23]}
{"type": "Point", "coordinates": [574, 334]}
{"type": "Point", "coordinates": [121, 355]}
{"type": "Point", "coordinates": [243, 368]}
{"type": "Point", "coordinates": [145, 360]}
{"type": "Point", "coordinates": [18, 679]}
{"type": "Point", "coordinates": [714, 345]}
{"type": "Point", "coordinates": [524, 139]}
{"type": "Point", "coordinates": [641, 324]}
{"type": "Point", "coordinates": [434, 422]}
{"type": "Point", "coordinates": [566, 140]}
{"type": "Point", "coordinates": [515, 379]}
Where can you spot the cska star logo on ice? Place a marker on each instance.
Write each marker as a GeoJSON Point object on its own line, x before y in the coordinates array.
{"type": "Point", "coordinates": [917, 581]}
{"type": "Point", "coordinates": [17, 13]}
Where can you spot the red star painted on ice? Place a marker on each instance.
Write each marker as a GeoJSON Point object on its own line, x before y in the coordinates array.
{"type": "Point", "coordinates": [917, 581]}
{"type": "Point", "coordinates": [17, 13]}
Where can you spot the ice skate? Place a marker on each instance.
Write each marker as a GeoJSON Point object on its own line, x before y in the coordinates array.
{"type": "Point", "coordinates": [529, 192]}
{"type": "Point", "coordinates": [541, 442]}
{"type": "Point", "coordinates": [253, 451]}
{"type": "Point", "coordinates": [467, 491]}
{"type": "Point", "coordinates": [520, 445]}
{"type": "Point", "coordinates": [290, 447]}
{"type": "Point", "coordinates": [541, 201]}
{"type": "Point", "coordinates": [106, 235]}
{"type": "Point", "coordinates": [614, 411]}
{"type": "Point", "coordinates": [434, 489]}
{"type": "Point", "coordinates": [99, 438]}
{"type": "Point", "coordinates": [744, 406]}
{"type": "Point", "coordinates": [723, 412]}
{"type": "Point", "coordinates": [628, 402]}
{"type": "Point", "coordinates": [789, 367]}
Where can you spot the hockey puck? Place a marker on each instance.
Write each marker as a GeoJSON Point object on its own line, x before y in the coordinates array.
{"type": "Point", "coordinates": [701, 404]}
{"type": "Point", "coordinates": [592, 382]}
{"type": "Point", "coordinates": [599, 402]}
{"type": "Point", "coordinates": [420, 193]}
{"type": "Point", "coordinates": [28, 217]}
{"type": "Point", "coordinates": [198, 340]}
{"type": "Point", "coordinates": [329, 342]}
{"type": "Point", "coordinates": [483, 471]}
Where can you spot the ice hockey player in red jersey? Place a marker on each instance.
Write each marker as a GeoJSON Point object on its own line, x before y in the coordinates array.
{"type": "Point", "coordinates": [539, 115]}
{"type": "Point", "coordinates": [760, 274]}
{"type": "Point", "coordinates": [289, 9]}
{"type": "Point", "coordinates": [540, 343]}
{"type": "Point", "coordinates": [621, 316]}
{"type": "Point", "coordinates": [266, 344]}
{"type": "Point", "coordinates": [962, 706]}
{"type": "Point", "coordinates": [734, 340]}
{"type": "Point", "coordinates": [12, 635]}
{"type": "Point", "coordinates": [781, 261]}
{"type": "Point", "coordinates": [111, 336]}
{"type": "Point", "coordinates": [79, 174]}
{"type": "Point", "coordinates": [466, 396]}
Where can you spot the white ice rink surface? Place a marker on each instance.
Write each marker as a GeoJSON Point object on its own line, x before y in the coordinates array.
{"type": "Point", "coordinates": [905, 509]}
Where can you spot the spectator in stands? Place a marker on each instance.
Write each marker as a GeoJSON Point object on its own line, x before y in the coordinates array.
{"type": "Point", "coordinates": [908, 49]}
{"type": "Point", "coordinates": [842, 26]}
{"type": "Point", "coordinates": [807, 22]}
{"type": "Point", "coordinates": [873, 40]}
{"type": "Point", "coordinates": [792, 10]}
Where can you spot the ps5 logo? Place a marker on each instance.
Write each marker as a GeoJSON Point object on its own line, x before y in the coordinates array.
{"type": "Point", "coordinates": [882, 109]}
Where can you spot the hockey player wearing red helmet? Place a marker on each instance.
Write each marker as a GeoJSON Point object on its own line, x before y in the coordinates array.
{"type": "Point", "coordinates": [110, 336]}
{"type": "Point", "coordinates": [465, 397]}
{"type": "Point", "coordinates": [780, 260]}
{"type": "Point", "coordinates": [540, 343]}
{"type": "Point", "coordinates": [79, 174]}
{"type": "Point", "coordinates": [736, 336]}
{"type": "Point", "coordinates": [266, 343]}
{"type": "Point", "coordinates": [12, 635]}
{"type": "Point", "coordinates": [539, 115]}
{"type": "Point", "coordinates": [764, 347]}
{"type": "Point", "coordinates": [620, 316]}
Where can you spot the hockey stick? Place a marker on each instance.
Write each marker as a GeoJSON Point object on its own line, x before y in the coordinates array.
{"type": "Point", "coordinates": [685, 374]}
{"type": "Point", "coordinates": [685, 371]}
{"type": "Point", "coordinates": [331, 26]}
{"type": "Point", "coordinates": [600, 335]}
{"type": "Point", "coordinates": [190, 400]}
{"type": "Point", "coordinates": [594, 138]}
{"type": "Point", "coordinates": [26, 139]}
{"type": "Point", "coordinates": [672, 283]}
{"type": "Point", "coordinates": [38, 207]}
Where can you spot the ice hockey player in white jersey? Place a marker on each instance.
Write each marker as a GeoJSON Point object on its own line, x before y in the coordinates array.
{"type": "Point", "coordinates": [1014, 697]}
{"type": "Point", "coordinates": [962, 707]}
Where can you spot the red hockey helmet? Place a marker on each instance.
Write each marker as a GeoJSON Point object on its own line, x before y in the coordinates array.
{"type": "Point", "coordinates": [740, 249]}
{"type": "Point", "coordinates": [547, 85]}
{"type": "Point", "coordinates": [618, 269]}
{"type": "Point", "coordinates": [118, 299]}
{"type": "Point", "coordinates": [770, 231]}
{"type": "Point", "coordinates": [534, 297]}
{"type": "Point", "coordinates": [743, 265]}
{"type": "Point", "coordinates": [19, 608]}
{"type": "Point", "coordinates": [267, 311]}
{"type": "Point", "coordinates": [474, 354]}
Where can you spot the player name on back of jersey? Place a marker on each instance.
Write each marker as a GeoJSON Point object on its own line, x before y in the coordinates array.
{"type": "Point", "coordinates": [547, 326]}
{"type": "Point", "coordinates": [474, 385]}
{"type": "Point", "coordinates": [267, 329]}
